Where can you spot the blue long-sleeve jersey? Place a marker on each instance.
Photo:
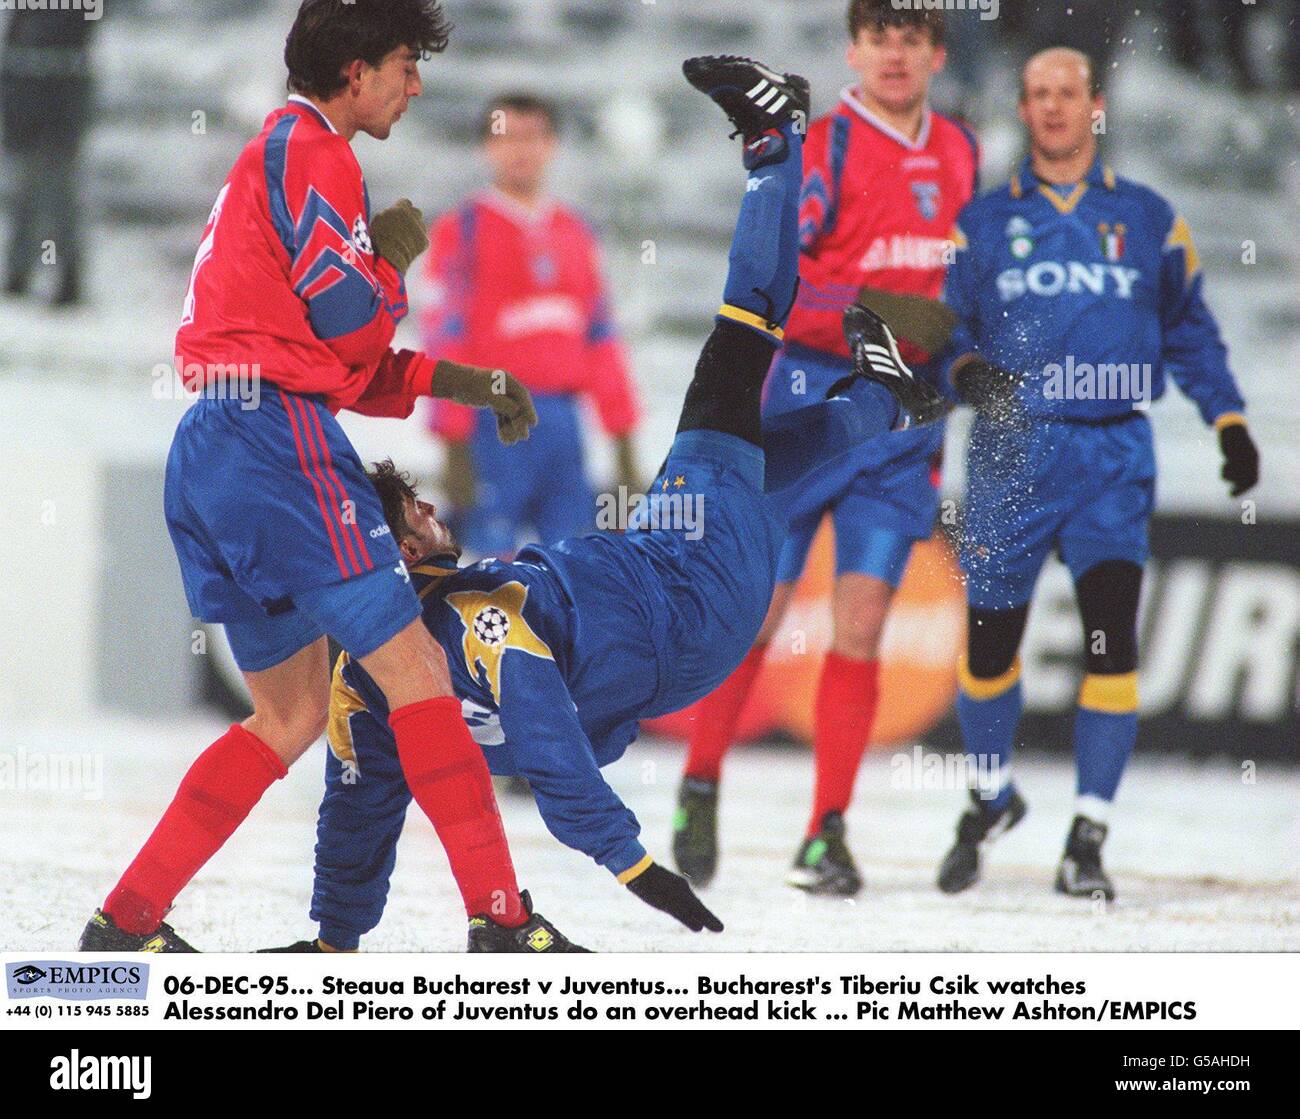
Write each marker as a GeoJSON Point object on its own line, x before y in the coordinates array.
{"type": "Point", "coordinates": [1092, 292]}
{"type": "Point", "coordinates": [536, 707]}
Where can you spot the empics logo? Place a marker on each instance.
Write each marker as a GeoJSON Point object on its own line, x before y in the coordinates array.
{"type": "Point", "coordinates": [81, 982]}
{"type": "Point", "coordinates": [75, 1073]}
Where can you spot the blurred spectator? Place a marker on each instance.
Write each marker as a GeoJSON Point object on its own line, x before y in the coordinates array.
{"type": "Point", "coordinates": [517, 285]}
{"type": "Point", "coordinates": [1192, 22]}
{"type": "Point", "coordinates": [46, 93]}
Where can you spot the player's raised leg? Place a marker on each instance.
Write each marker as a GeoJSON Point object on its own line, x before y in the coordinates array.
{"type": "Point", "coordinates": [770, 111]}
{"type": "Point", "coordinates": [724, 396]}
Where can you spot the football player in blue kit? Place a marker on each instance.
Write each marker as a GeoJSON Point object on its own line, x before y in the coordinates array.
{"type": "Point", "coordinates": [558, 655]}
{"type": "Point", "coordinates": [1077, 293]}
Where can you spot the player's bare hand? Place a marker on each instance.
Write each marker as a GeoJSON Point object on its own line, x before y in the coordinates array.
{"type": "Point", "coordinates": [399, 234]}
{"type": "Point", "coordinates": [670, 893]}
{"type": "Point", "coordinates": [488, 388]}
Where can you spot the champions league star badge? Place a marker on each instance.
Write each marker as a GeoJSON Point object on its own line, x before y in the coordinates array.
{"type": "Point", "coordinates": [361, 237]}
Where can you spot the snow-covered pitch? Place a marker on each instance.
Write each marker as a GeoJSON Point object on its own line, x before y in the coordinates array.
{"type": "Point", "coordinates": [1203, 856]}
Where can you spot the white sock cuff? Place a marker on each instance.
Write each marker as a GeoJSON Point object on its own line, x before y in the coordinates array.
{"type": "Point", "coordinates": [1094, 808]}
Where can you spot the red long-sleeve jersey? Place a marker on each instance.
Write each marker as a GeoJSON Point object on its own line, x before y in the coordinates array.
{"type": "Point", "coordinates": [877, 210]}
{"type": "Point", "coordinates": [524, 291]}
{"type": "Point", "coordinates": [286, 284]}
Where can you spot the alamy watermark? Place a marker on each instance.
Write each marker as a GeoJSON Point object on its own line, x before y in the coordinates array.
{"type": "Point", "coordinates": [988, 9]}
{"type": "Point", "coordinates": [89, 9]}
{"type": "Point", "coordinates": [673, 509]}
{"type": "Point", "coordinates": [229, 381]}
{"type": "Point", "coordinates": [916, 769]}
{"type": "Point", "coordinates": [1084, 380]}
{"type": "Point", "coordinates": [36, 771]}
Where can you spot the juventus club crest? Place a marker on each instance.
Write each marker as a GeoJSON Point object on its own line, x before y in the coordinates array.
{"type": "Point", "coordinates": [1112, 240]}
{"type": "Point", "coordinates": [1020, 237]}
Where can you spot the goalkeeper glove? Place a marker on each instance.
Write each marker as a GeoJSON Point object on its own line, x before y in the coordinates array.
{"type": "Point", "coordinates": [670, 893]}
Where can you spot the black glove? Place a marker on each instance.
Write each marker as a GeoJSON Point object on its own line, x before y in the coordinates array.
{"type": "Point", "coordinates": [988, 388]}
{"type": "Point", "coordinates": [672, 894]}
{"type": "Point", "coordinates": [1240, 458]}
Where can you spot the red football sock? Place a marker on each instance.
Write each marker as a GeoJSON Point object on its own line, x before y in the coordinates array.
{"type": "Point", "coordinates": [846, 707]}
{"type": "Point", "coordinates": [449, 779]}
{"type": "Point", "coordinates": [215, 796]}
{"type": "Point", "coordinates": [716, 718]}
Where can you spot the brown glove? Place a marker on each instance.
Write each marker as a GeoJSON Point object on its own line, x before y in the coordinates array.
{"type": "Point", "coordinates": [926, 323]}
{"type": "Point", "coordinates": [399, 234]}
{"type": "Point", "coordinates": [488, 388]}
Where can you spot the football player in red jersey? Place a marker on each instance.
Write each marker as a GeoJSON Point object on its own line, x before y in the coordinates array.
{"type": "Point", "coordinates": [517, 282]}
{"type": "Point", "coordinates": [884, 179]}
{"type": "Point", "coordinates": [297, 290]}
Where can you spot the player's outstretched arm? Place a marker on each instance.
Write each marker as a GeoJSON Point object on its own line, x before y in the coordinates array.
{"type": "Point", "coordinates": [403, 376]}
{"type": "Point", "coordinates": [551, 750]}
{"type": "Point", "coordinates": [505, 394]}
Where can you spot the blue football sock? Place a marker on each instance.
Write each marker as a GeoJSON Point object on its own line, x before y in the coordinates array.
{"type": "Point", "coordinates": [1105, 732]}
{"type": "Point", "coordinates": [764, 259]}
{"type": "Point", "coordinates": [989, 713]}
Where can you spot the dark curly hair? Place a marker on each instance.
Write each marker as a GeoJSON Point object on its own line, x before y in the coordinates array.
{"type": "Point", "coordinates": [394, 487]}
{"type": "Point", "coordinates": [328, 35]}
